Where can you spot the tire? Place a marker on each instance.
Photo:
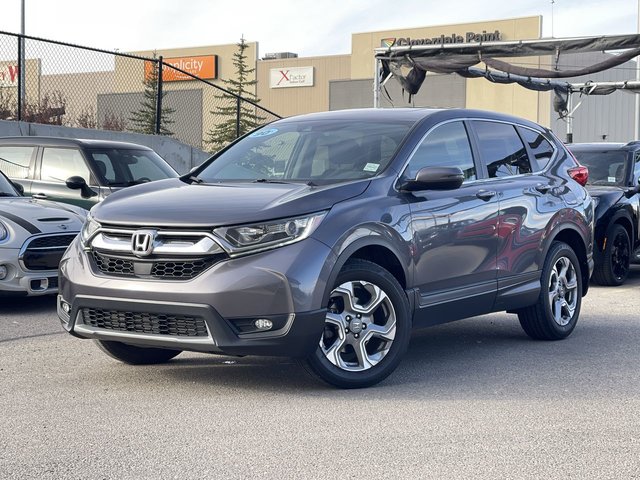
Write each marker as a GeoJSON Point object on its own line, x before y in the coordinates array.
{"type": "Point", "coordinates": [612, 268]}
{"type": "Point", "coordinates": [367, 329]}
{"type": "Point", "coordinates": [561, 280]}
{"type": "Point", "coordinates": [136, 355]}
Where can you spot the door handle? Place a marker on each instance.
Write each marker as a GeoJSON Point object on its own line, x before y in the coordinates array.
{"type": "Point", "coordinates": [542, 188]}
{"type": "Point", "coordinates": [486, 194]}
{"type": "Point", "coordinates": [40, 196]}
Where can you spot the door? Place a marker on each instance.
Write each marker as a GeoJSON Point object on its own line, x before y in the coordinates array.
{"type": "Point", "coordinates": [454, 231]}
{"type": "Point", "coordinates": [515, 159]}
{"type": "Point", "coordinates": [56, 166]}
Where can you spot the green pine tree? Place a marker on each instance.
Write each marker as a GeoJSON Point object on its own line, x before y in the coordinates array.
{"type": "Point", "coordinates": [225, 129]}
{"type": "Point", "coordinates": [144, 120]}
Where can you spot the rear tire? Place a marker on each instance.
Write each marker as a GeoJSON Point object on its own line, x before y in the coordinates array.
{"type": "Point", "coordinates": [367, 329]}
{"type": "Point", "coordinates": [613, 268]}
{"type": "Point", "coordinates": [555, 314]}
{"type": "Point", "coordinates": [136, 355]}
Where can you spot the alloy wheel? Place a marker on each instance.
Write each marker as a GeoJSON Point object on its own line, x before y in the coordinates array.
{"type": "Point", "coordinates": [620, 256]}
{"type": "Point", "coordinates": [360, 326]}
{"type": "Point", "coordinates": [563, 291]}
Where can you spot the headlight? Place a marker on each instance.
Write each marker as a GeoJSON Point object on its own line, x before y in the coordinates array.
{"type": "Point", "coordinates": [4, 232]}
{"type": "Point", "coordinates": [90, 227]}
{"type": "Point", "coordinates": [262, 236]}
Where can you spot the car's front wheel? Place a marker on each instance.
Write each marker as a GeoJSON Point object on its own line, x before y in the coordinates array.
{"type": "Point", "coordinates": [613, 268]}
{"type": "Point", "coordinates": [555, 314]}
{"type": "Point", "coordinates": [367, 328]}
{"type": "Point", "coordinates": [136, 355]}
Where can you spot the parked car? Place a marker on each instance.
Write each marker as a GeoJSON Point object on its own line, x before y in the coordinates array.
{"type": "Point", "coordinates": [330, 236]}
{"type": "Point", "coordinates": [79, 172]}
{"type": "Point", "coordinates": [33, 236]}
{"type": "Point", "coordinates": [614, 183]}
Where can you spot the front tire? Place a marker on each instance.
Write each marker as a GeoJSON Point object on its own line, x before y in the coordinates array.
{"type": "Point", "coordinates": [367, 328]}
{"type": "Point", "coordinates": [555, 314]}
{"type": "Point", "coordinates": [613, 268]}
{"type": "Point", "coordinates": [132, 355]}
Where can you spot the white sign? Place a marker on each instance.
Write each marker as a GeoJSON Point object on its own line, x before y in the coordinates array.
{"type": "Point", "coordinates": [291, 77]}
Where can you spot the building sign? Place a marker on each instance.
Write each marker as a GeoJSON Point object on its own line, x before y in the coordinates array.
{"type": "Point", "coordinates": [291, 77]}
{"type": "Point", "coordinates": [468, 37]}
{"type": "Point", "coordinates": [8, 74]}
{"type": "Point", "coordinates": [201, 66]}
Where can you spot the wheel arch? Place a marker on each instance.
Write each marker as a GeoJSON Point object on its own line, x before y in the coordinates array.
{"type": "Point", "coordinates": [375, 250]}
{"type": "Point", "coordinates": [572, 237]}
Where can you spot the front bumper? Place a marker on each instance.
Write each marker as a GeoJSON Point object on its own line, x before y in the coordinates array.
{"type": "Point", "coordinates": [20, 282]}
{"type": "Point", "coordinates": [287, 283]}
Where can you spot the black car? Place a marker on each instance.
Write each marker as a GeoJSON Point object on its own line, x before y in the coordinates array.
{"type": "Point", "coordinates": [79, 172]}
{"type": "Point", "coordinates": [329, 236]}
{"type": "Point", "coordinates": [614, 183]}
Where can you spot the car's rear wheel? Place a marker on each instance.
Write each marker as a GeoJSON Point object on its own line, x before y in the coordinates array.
{"type": "Point", "coordinates": [613, 267]}
{"type": "Point", "coordinates": [367, 328]}
{"type": "Point", "coordinates": [555, 314]}
{"type": "Point", "coordinates": [136, 355]}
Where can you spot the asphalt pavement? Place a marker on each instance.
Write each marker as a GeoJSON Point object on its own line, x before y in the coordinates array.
{"type": "Point", "coordinates": [472, 399]}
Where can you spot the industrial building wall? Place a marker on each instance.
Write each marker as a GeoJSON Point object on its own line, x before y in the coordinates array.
{"type": "Point", "coordinates": [599, 117]}
{"type": "Point", "coordinates": [438, 91]}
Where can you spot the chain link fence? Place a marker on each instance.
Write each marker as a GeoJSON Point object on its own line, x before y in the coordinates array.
{"type": "Point", "coordinates": [57, 83]}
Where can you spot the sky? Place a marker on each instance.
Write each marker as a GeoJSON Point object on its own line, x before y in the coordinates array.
{"type": "Point", "coordinates": [306, 27]}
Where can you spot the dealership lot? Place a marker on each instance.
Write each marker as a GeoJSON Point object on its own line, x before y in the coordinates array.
{"type": "Point", "coordinates": [475, 398]}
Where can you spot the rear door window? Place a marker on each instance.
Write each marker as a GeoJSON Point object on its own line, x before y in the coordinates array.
{"type": "Point", "coordinates": [501, 149]}
{"type": "Point", "coordinates": [16, 161]}
{"type": "Point", "coordinates": [58, 164]}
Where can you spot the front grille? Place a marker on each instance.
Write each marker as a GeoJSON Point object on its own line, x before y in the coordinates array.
{"type": "Point", "coordinates": [142, 322]}
{"type": "Point", "coordinates": [44, 253]}
{"type": "Point", "coordinates": [160, 269]}
{"type": "Point", "coordinates": [113, 265]}
{"type": "Point", "coordinates": [52, 241]}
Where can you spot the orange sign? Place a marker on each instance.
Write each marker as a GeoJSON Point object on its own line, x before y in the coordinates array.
{"type": "Point", "coordinates": [201, 66]}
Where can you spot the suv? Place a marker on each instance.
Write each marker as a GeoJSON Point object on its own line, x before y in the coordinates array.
{"type": "Point", "coordinates": [330, 236]}
{"type": "Point", "coordinates": [79, 172]}
{"type": "Point", "coordinates": [614, 183]}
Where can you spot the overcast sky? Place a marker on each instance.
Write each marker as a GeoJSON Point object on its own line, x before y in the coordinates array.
{"type": "Point", "coordinates": [306, 27]}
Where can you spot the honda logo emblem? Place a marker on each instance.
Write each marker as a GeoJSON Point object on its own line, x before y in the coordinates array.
{"type": "Point", "coordinates": [142, 242]}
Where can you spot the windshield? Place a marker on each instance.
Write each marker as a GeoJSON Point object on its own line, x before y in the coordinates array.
{"type": "Point", "coordinates": [605, 167]}
{"type": "Point", "coordinates": [6, 188]}
{"type": "Point", "coordinates": [120, 167]}
{"type": "Point", "coordinates": [317, 151]}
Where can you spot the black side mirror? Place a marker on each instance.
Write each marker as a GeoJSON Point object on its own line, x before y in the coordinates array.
{"type": "Point", "coordinates": [19, 188]}
{"type": "Point", "coordinates": [434, 178]}
{"type": "Point", "coordinates": [79, 183]}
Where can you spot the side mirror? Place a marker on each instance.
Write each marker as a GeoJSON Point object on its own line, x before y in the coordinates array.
{"type": "Point", "coordinates": [434, 178]}
{"type": "Point", "coordinates": [79, 183]}
{"type": "Point", "coordinates": [19, 188]}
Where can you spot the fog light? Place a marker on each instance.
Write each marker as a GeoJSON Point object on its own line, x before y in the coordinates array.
{"type": "Point", "coordinates": [263, 324]}
{"type": "Point", "coordinates": [66, 308]}
{"type": "Point", "coordinates": [3, 272]}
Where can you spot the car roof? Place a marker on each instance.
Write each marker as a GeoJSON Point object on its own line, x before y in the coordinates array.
{"type": "Point", "coordinates": [604, 146]}
{"type": "Point", "coordinates": [405, 114]}
{"type": "Point", "coordinates": [69, 142]}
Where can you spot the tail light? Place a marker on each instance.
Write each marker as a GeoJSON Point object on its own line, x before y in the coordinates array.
{"type": "Point", "coordinates": [580, 174]}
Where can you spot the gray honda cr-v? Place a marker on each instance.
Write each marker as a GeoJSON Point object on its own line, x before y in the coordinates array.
{"type": "Point", "coordinates": [329, 236]}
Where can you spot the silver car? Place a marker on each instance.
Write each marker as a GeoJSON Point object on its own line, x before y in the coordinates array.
{"type": "Point", "coordinates": [33, 236]}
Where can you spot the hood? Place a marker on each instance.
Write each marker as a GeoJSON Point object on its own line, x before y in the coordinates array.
{"type": "Point", "coordinates": [174, 203]}
{"type": "Point", "coordinates": [604, 190]}
{"type": "Point", "coordinates": [40, 216]}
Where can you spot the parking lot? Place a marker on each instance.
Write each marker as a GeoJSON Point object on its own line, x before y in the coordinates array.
{"type": "Point", "coordinates": [475, 398]}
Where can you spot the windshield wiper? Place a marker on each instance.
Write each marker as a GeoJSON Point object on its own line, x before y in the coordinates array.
{"type": "Point", "coordinates": [6, 194]}
{"type": "Point", "coordinates": [268, 180]}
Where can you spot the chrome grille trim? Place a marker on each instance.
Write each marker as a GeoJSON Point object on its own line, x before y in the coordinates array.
{"type": "Point", "coordinates": [49, 242]}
